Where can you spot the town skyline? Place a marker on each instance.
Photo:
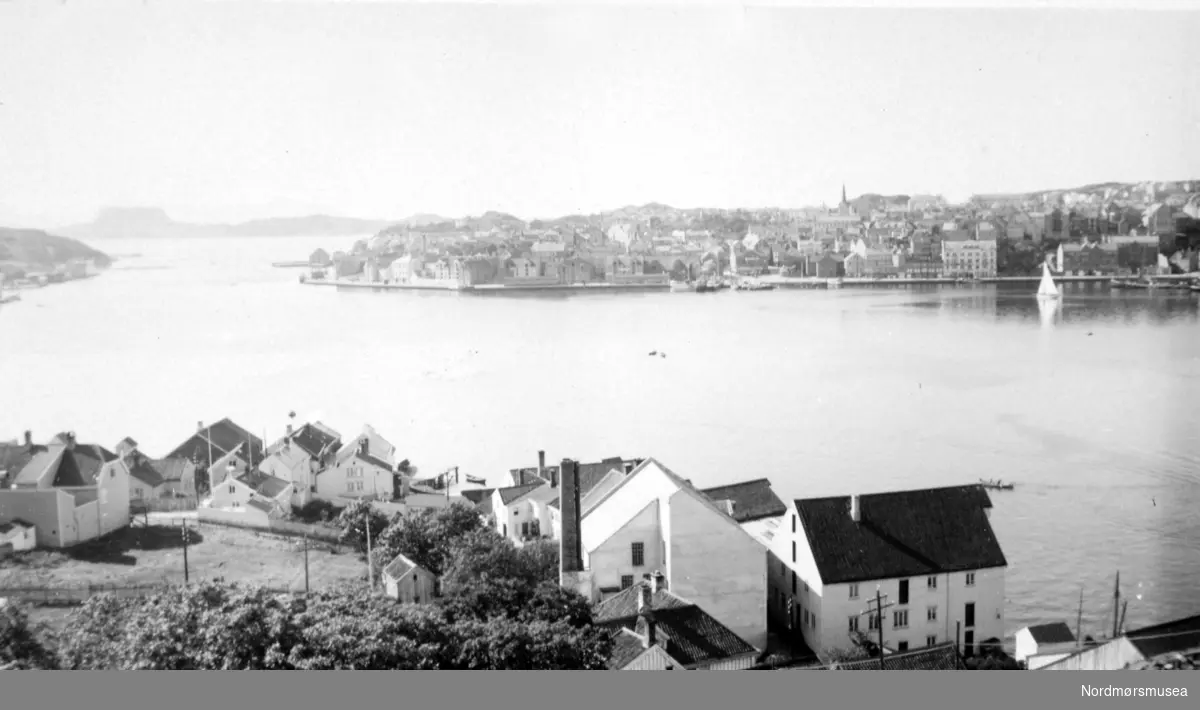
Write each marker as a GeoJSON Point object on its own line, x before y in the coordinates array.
{"type": "Point", "coordinates": [229, 113]}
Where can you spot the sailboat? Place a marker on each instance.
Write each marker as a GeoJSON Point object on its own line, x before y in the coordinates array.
{"type": "Point", "coordinates": [1047, 290]}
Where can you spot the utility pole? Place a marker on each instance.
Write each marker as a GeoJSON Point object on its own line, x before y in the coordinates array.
{"type": "Point", "coordinates": [1124, 608]}
{"type": "Point", "coordinates": [370, 566]}
{"type": "Point", "coordinates": [1079, 620]}
{"type": "Point", "coordinates": [185, 557]}
{"type": "Point", "coordinates": [877, 614]}
{"type": "Point", "coordinates": [306, 565]}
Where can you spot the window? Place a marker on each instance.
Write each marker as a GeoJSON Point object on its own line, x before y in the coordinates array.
{"type": "Point", "coordinates": [639, 554]}
{"type": "Point", "coordinates": [793, 552]}
{"type": "Point", "coordinates": [626, 581]}
{"type": "Point", "coordinates": [900, 619]}
{"type": "Point", "coordinates": [516, 512]}
{"type": "Point", "coordinates": [931, 640]}
{"type": "Point", "coordinates": [525, 529]}
{"type": "Point", "coordinates": [970, 579]}
{"type": "Point", "coordinates": [853, 624]}
{"type": "Point", "coordinates": [903, 592]}
{"type": "Point", "coordinates": [793, 524]}
{"type": "Point", "coordinates": [902, 646]}
{"type": "Point", "coordinates": [349, 485]}
{"type": "Point", "coordinates": [968, 643]}
{"type": "Point", "coordinates": [931, 613]}
{"type": "Point", "coordinates": [872, 622]}
{"type": "Point", "coordinates": [232, 488]}
{"type": "Point", "coordinates": [854, 591]}
{"type": "Point", "coordinates": [793, 582]}
{"type": "Point", "coordinates": [813, 619]}
{"type": "Point", "coordinates": [969, 613]}
{"type": "Point", "coordinates": [805, 617]}
{"type": "Point", "coordinates": [931, 582]}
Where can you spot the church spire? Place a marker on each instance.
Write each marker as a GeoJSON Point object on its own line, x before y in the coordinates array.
{"type": "Point", "coordinates": [844, 193]}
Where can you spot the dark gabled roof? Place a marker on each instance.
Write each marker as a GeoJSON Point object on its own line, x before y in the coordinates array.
{"type": "Point", "coordinates": [263, 483]}
{"type": "Point", "coordinates": [141, 468]}
{"type": "Point", "coordinates": [171, 469]}
{"type": "Point", "coordinates": [14, 457]}
{"type": "Point", "coordinates": [477, 495]}
{"type": "Point", "coordinates": [752, 500]}
{"type": "Point", "coordinates": [225, 436]}
{"type": "Point", "coordinates": [77, 466]}
{"type": "Point", "coordinates": [943, 657]}
{"type": "Point", "coordinates": [313, 439]}
{"type": "Point", "coordinates": [901, 534]}
{"type": "Point", "coordinates": [1056, 632]}
{"type": "Point", "coordinates": [688, 634]}
{"type": "Point", "coordinates": [590, 474]}
{"type": "Point", "coordinates": [508, 495]}
{"type": "Point", "coordinates": [1170, 637]}
{"type": "Point", "coordinates": [624, 604]}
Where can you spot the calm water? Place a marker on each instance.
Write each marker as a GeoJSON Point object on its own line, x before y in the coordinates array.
{"type": "Point", "coordinates": [1091, 409]}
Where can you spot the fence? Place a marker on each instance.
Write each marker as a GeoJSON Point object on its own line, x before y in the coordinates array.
{"type": "Point", "coordinates": [76, 595]}
{"type": "Point", "coordinates": [163, 505]}
{"type": "Point", "coordinates": [207, 516]}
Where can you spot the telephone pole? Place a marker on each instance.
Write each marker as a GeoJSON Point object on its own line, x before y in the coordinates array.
{"type": "Point", "coordinates": [1116, 604]}
{"type": "Point", "coordinates": [370, 566]}
{"type": "Point", "coordinates": [877, 614]}
{"type": "Point", "coordinates": [1079, 620]}
{"type": "Point", "coordinates": [185, 557]}
{"type": "Point", "coordinates": [306, 565]}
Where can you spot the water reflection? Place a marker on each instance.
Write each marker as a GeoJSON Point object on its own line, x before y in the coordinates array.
{"type": "Point", "coordinates": [1080, 303]}
{"type": "Point", "coordinates": [1049, 311]}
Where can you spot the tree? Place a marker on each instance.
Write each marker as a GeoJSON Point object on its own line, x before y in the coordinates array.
{"type": "Point", "coordinates": [354, 520]}
{"type": "Point", "coordinates": [426, 537]}
{"type": "Point", "coordinates": [21, 644]}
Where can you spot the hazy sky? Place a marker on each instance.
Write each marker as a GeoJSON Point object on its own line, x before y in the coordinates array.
{"type": "Point", "coordinates": [230, 111]}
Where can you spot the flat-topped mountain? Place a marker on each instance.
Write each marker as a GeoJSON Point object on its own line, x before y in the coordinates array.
{"type": "Point", "coordinates": [152, 222]}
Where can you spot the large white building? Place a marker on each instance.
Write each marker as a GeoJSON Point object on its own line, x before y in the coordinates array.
{"type": "Point", "coordinates": [652, 520]}
{"type": "Point", "coordinates": [970, 258]}
{"type": "Point", "coordinates": [931, 555]}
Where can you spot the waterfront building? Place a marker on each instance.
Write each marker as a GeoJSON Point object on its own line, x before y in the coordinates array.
{"type": "Point", "coordinates": [929, 554]}
{"type": "Point", "coordinates": [975, 259]}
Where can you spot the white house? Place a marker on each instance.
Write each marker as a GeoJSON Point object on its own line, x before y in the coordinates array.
{"type": "Point", "coordinates": [522, 513]}
{"type": "Point", "coordinates": [1181, 636]}
{"type": "Point", "coordinates": [356, 473]}
{"type": "Point", "coordinates": [409, 583]}
{"type": "Point", "coordinates": [652, 519]}
{"type": "Point", "coordinates": [253, 489]}
{"type": "Point", "coordinates": [929, 555]}
{"type": "Point", "coordinates": [295, 465]}
{"type": "Point", "coordinates": [1044, 643]}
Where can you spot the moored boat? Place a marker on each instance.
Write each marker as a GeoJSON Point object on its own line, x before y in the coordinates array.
{"type": "Point", "coordinates": [996, 485]}
{"type": "Point", "coordinates": [682, 286]}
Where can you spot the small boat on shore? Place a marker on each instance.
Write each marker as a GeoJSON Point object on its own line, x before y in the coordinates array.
{"type": "Point", "coordinates": [682, 286]}
{"type": "Point", "coordinates": [753, 285]}
{"type": "Point", "coordinates": [996, 485]}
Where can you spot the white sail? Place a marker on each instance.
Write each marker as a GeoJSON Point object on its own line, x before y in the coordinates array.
{"type": "Point", "coordinates": [1047, 289]}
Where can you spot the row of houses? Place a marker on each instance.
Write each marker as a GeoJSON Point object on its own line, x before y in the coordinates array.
{"type": "Point", "coordinates": [67, 492]}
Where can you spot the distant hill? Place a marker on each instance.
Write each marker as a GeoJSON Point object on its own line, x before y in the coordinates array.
{"type": "Point", "coordinates": [24, 250]}
{"type": "Point", "coordinates": [152, 222]}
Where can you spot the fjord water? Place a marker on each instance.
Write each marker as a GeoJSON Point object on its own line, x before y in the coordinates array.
{"type": "Point", "coordinates": [1092, 409]}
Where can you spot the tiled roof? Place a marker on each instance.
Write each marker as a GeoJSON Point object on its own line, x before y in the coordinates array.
{"type": "Point", "coordinates": [689, 634]}
{"type": "Point", "coordinates": [1057, 632]}
{"type": "Point", "coordinates": [901, 534]}
{"type": "Point", "coordinates": [142, 468]}
{"type": "Point", "coordinates": [508, 495]}
{"type": "Point", "coordinates": [624, 604]}
{"type": "Point", "coordinates": [1167, 638]}
{"type": "Point", "coordinates": [263, 483]}
{"type": "Point", "coordinates": [627, 646]}
{"type": "Point", "coordinates": [943, 657]}
{"type": "Point", "coordinates": [225, 436]}
{"type": "Point", "coordinates": [752, 500]}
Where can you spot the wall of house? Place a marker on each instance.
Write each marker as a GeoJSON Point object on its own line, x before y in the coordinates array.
{"type": "Point", "coordinates": [332, 482]}
{"type": "Point", "coordinates": [652, 660]}
{"type": "Point", "coordinates": [790, 545]}
{"type": "Point", "coordinates": [231, 494]}
{"type": "Point", "coordinates": [737, 663]}
{"type": "Point", "coordinates": [113, 501]}
{"type": "Point", "coordinates": [613, 558]}
{"type": "Point", "coordinates": [45, 509]}
{"type": "Point", "coordinates": [1110, 656]}
{"type": "Point", "coordinates": [300, 476]}
{"type": "Point", "coordinates": [718, 566]}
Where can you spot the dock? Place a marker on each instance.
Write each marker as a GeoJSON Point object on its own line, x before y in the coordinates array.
{"type": "Point", "coordinates": [488, 288]}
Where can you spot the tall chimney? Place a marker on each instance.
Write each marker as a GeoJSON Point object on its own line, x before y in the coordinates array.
{"type": "Point", "coordinates": [659, 581]}
{"type": "Point", "coordinates": [541, 463]}
{"type": "Point", "coordinates": [855, 509]}
{"type": "Point", "coordinates": [289, 431]}
{"type": "Point", "coordinates": [28, 438]}
{"type": "Point", "coordinates": [645, 598]}
{"type": "Point", "coordinates": [364, 445]}
{"type": "Point", "coordinates": [571, 540]}
{"type": "Point", "coordinates": [553, 477]}
{"type": "Point", "coordinates": [199, 426]}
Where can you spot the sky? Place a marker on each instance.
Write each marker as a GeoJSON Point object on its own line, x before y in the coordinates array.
{"type": "Point", "coordinates": [223, 112]}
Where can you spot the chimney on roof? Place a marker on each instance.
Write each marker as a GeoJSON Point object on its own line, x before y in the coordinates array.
{"type": "Point", "coordinates": [659, 581]}
{"type": "Point", "coordinates": [571, 539]}
{"type": "Point", "coordinates": [289, 431]}
{"type": "Point", "coordinates": [628, 467]}
{"type": "Point", "coordinates": [199, 426]}
{"type": "Point", "coordinates": [70, 441]}
{"type": "Point", "coordinates": [855, 509]}
{"type": "Point", "coordinates": [364, 446]}
{"type": "Point", "coordinates": [541, 463]}
{"type": "Point", "coordinates": [645, 598]}
{"type": "Point", "coordinates": [28, 438]}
